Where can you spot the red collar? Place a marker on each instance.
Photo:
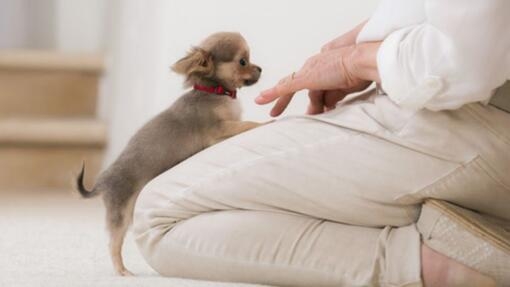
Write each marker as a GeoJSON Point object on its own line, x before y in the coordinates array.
{"type": "Point", "coordinates": [218, 90]}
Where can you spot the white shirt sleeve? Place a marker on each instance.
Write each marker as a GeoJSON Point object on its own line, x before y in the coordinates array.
{"type": "Point", "coordinates": [454, 52]}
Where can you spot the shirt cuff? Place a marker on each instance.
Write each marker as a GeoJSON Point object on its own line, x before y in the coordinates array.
{"type": "Point", "coordinates": [395, 67]}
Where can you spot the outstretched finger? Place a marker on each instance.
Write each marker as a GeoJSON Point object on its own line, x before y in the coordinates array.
{"type": "Point", "coordinates": [288, 85]}
{"type": "Point", "coordinates": [281, 105]}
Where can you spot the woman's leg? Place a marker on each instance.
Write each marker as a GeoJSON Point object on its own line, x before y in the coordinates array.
{"type": "Point", "coordinates": [303, 168]}
{"type": "Point", "coordinates": [282, 249]}
{"type": "Point", "coordinates": [276, 196]}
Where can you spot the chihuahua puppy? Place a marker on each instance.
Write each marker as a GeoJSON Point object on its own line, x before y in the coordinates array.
{"type": "Point", "coordinates": [205, 115]}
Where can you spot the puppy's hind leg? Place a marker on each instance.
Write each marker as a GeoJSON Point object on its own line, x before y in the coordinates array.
{"type": "Point", "coordinates": [118, 223]}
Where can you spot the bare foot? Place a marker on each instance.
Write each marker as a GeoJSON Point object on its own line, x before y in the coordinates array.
{"type": "Point", "coordinates": [440, 270]}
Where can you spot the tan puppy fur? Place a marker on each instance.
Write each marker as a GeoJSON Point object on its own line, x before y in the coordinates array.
{"type": "Point", "coordinates": [195, 121]}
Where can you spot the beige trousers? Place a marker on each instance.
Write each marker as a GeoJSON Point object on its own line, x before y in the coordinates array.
{"type": "Point", "coordinates": [329, 200]}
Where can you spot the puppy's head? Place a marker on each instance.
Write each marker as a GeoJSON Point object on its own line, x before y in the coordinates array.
{"type": "Point", "coordinates": [221, 59]}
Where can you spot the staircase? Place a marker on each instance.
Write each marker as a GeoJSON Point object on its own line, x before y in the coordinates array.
{"type": "Point", "coordinates": [48, 123]}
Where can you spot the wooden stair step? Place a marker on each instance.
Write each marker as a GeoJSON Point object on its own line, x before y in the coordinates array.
{"type": "Point", "coordinates": [78, 132]}
{"type": "Point", "coordinates": [43, 153]}
{"type": "Point", "coordinates": [50, 61]}
{"type": "Point", "coordinates": [52, 84]}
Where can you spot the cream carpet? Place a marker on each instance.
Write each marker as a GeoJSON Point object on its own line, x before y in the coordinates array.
{"type": "Point", "coordinates": [57, 239]}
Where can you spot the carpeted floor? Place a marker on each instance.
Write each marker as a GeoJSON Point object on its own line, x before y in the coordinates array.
{"type": "Point", "coordinates": [56, 239]}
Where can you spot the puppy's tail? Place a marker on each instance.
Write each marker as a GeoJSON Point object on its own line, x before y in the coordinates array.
{"type": "Point", "coordinates": [81, 188]}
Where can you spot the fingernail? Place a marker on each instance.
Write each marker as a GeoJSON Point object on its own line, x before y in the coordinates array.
{"type": "Point", "coordinates": [259, 99]}
{"type": "Point", "coordinates": [264, 93]}
{"type": "Point", "coordinates": [262, 96]}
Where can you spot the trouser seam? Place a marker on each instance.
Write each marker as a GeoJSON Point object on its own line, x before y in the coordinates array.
{"type": "Point", "coordinates": [484, 166]}
{"type": "Point", "coordinates": [428, 190]}
{"type": "Point", "coordinates": [479, 119]}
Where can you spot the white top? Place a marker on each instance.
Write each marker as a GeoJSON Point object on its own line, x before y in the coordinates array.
{"type": "Point", "coordinates": [441, 54]}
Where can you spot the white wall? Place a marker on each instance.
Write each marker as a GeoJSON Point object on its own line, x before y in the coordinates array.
{"type": "Point", "coordinates": [64, 25]}
{"type": "Point", "coordinates": [13, 19]}
{"type": "Point", "coordinates": [41, 24]}
{"type": "Point", "coordinates": [80, 25]}
{"type": "Point", "coordinates": [136, 83]}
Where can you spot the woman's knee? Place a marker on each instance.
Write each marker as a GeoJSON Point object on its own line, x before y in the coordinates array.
{"type": "Point", "coordinates": [231, 245]}
{"type": "Point", "coordinates": [151, 219]}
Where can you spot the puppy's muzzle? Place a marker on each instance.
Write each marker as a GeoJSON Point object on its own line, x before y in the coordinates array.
{"type": "Point", "coordinates": [255, 76]}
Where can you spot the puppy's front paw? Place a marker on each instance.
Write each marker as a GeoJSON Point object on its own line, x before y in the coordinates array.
{"type": "Point", "coordinates": [125, 273]}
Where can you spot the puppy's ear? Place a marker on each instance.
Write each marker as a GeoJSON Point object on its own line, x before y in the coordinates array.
{"type": "Point", "coordinates": [198, 62]}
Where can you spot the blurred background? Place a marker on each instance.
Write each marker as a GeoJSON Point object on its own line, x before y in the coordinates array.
{"type": "Point", "coordinates": [78, 77]}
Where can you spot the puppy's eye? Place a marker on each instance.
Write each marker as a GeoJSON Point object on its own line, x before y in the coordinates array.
{"type": "Point", "coordinates": [242, 62]}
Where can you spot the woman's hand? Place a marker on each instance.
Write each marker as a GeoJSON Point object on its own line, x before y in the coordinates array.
{"type": "Point", "coordinates": [337, 72]}
{"type": "Point", "coordinates": [321, 100]}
